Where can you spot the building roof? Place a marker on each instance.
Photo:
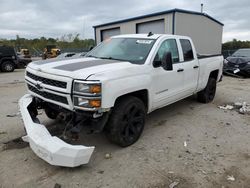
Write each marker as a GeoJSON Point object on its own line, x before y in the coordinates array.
{"type": "Point", "coordinates": [160, 13]}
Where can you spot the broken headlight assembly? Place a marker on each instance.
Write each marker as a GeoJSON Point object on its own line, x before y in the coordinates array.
{"type": "Point", "coordinates": [86, 95]}
{"type": "Point", "coordinates": [225, 62]}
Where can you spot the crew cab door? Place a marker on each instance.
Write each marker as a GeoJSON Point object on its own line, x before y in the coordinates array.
{"type": "Point", "coordinates": [190, 66]}
{"type": "Point", "coordinates": [167, 85]}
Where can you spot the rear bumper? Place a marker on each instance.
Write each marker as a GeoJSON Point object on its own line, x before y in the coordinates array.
{"type": "Point", "coordinates": [50, 148]}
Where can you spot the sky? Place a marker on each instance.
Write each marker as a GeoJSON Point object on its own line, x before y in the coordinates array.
{"type": "Point", "coordinates": [55, 18]}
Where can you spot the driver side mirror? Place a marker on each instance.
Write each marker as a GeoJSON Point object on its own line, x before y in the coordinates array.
{"type": "Point", "coordinates": [167, 62]}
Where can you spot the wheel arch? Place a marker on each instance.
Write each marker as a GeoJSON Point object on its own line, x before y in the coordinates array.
{"type": "Point", "coordinates": [214, 74]}
{"type": "Point", "coordinates": [142, 94]}
{"type": "Point", "coordinates": [6, 59]}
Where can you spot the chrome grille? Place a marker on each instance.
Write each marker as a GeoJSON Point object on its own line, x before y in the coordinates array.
{"type": "Point", "coordinates": [47, 95]}
{"type": "Point", "coordinates": [47, 81]}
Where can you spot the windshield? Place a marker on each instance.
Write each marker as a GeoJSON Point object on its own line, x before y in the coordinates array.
{"type": "Point", "coordinates": [242, 53]}
{"type": "Point", "coordinates": [133, 50]}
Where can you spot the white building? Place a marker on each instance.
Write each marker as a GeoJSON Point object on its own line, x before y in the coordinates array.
{"type": "Point", "coordinates": [205, 31]}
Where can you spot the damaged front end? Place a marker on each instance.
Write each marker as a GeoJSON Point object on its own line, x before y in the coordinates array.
{"type": "Point", "coordinates": [237, 66]}
{"type": "Point", "coordinates": [50, 148]}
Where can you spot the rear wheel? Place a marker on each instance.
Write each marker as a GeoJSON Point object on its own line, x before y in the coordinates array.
{"type": "Point", "coordinates": [7, 66]}
{"type": "Point", "coordinates": [126, 122]}
{"type": "Point", "coordinates": [207, 95]}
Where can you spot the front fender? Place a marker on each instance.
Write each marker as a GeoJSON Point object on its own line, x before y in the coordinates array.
{"type": "Point", "coordinates": [113, 89]}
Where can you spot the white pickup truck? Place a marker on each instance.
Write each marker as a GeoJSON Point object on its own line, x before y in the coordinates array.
{"type": "Point", "coordinates": [112, 88]}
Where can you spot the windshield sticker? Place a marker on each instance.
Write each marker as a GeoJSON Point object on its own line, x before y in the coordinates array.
{"type": "Point", "coordinates": [144, 41]}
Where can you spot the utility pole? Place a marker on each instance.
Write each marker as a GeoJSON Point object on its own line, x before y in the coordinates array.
{"type": "Point", "coordinates": [83, 35]}
{"type": "Point", "coordinates": [83, 28]}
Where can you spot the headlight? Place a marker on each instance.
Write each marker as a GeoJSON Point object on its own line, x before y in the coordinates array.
{"type": "Point", "coordinates": [225, 61]}
{"type": "Point", "coordinates": [82, 102]}
{"type": "Point", "coordinates": [87, 95]}
{"type": "Point", "coordinates": [248, 63]}
{"type": "Point", "coordinates": [81, 87]}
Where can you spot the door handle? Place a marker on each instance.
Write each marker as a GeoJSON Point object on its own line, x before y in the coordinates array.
{"type": "Point", "coordinates": [196, 67]}
{"type": "Point", "coordinates": [180, 70]}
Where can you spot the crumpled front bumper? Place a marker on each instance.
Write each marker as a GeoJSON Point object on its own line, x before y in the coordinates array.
{"type": "Point", "coordinates": [50, 148]}
{"type": "Point", "coordinates": [245, 71]}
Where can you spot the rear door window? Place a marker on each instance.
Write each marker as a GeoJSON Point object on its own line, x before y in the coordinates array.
{"type": "Point", "coordinates": [187, 50]}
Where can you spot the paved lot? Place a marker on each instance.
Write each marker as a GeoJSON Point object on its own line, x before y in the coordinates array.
{"type": "Point", "coordinates": [218, 146]}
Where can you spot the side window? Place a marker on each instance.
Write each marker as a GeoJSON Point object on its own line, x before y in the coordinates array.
{"type": "Point", "coordinates": [168, 45]}
{"type": "Point", "coordinates": [187, 49]}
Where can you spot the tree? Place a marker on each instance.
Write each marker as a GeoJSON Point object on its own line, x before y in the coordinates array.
{"type": "Point", "coordinates": [66, 41]}
{"type": "Point", "coordinates": [235, 44]}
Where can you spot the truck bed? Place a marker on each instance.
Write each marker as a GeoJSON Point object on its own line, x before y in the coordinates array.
{"type": "Point", "coordinates": [208, 63]}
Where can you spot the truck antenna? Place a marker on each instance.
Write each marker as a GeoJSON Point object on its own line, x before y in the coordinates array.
{"type": "Point", "coordinates": [201, 7]}
{"type": "Point", "coordinates": [150, 34]}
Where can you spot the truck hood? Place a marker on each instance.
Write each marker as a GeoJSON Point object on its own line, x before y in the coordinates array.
{"type": "Point", "coordinates": [80, 68]}
{"type": "Point", "coordinates": [238, 60]}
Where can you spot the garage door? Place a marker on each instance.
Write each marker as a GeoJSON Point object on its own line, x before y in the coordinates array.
{"type": "Point", "coordinates": [157, 27]}
{"type": "Point", "coordinates": [105, 34]}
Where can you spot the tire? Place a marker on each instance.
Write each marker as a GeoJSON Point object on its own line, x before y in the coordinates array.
{"type": "Point", "coordinates": [7, 66]}
{"type": "Point", "coordinates": [52, 114]}
{"type": "Point", "coordinates": [126, 122]}
{"type": "Point", "coordinates": [207, 95]}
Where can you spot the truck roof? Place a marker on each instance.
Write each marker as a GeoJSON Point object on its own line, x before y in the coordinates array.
{"type": "Point", "coordinates": [153, 36]}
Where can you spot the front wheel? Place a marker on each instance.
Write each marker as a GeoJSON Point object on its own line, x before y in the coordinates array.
{"type": "Point", "coordinates": [207, 94]}
{"type": "Point", "coordinates": [126, 122]}
{"type": "Point", "coordinates": [8, 66]}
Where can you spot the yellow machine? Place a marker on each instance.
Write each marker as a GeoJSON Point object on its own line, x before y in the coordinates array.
{"type": "Point", "coordinates": [51, 51]}
{"type": "Point", "coordinates": [25, 52]}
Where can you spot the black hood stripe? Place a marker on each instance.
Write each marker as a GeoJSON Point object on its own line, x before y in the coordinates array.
{"type": "Point", "coordinates": [85, 64]}
{"type": "Point", "coordinates": [52, 60]}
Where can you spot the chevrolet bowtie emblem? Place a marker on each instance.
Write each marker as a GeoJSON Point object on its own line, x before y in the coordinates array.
{"type": "Point", "coordinates": [39, 86]}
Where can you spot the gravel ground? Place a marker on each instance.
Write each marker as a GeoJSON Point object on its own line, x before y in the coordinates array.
{"type": "Point", "coordinates": [217, 152]}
